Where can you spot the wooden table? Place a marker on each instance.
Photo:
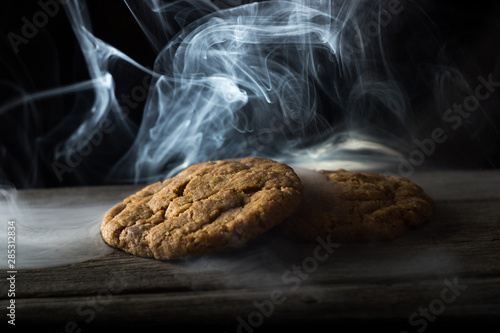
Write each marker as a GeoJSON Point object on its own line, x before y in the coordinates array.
{"type": "Point", "coordinates": [445, 273]}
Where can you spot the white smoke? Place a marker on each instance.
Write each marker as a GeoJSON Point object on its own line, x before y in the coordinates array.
{"type": "Point", "coordinates": [304, 82]}
{"type": "Point", "coordinates": [51, 232]}
{"type": "Point", "coordinates": [269, 79]}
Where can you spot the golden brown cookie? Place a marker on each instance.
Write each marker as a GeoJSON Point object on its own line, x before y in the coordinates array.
{"type": "Point", "coordinates": [357, 206]}
{"type": "Point", "coordinates": [207, 207]}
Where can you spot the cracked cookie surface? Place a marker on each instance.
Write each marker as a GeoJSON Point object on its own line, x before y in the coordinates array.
{"type": "Point", "coordinates": [357, 206]}
{"type": "Point", "coordinates": [207, 207]}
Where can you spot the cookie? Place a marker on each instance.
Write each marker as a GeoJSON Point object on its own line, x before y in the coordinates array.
{"type": "Point", "coordinates": [207, 207]}
{"type": "Point", "coordinates": [357, 206]}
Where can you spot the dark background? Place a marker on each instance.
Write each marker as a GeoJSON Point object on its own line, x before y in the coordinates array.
{"type": "Point", "coordinates": [468, 39]}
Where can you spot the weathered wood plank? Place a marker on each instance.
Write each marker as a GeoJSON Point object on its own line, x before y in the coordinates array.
{"type": "Point", "coordinates": [456, 241]}
{"type": "Point", "coordinates": [445, 185]}
{"type": "Point", "coordinates": [460, 185]}
{"type": "Point", "coordinates": [451, 298]}
{"type": "Point", "coordinates": [375, 281]}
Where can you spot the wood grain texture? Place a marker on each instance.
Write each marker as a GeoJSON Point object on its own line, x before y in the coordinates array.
{"type": "Point", "coordinates": [380, 282]}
